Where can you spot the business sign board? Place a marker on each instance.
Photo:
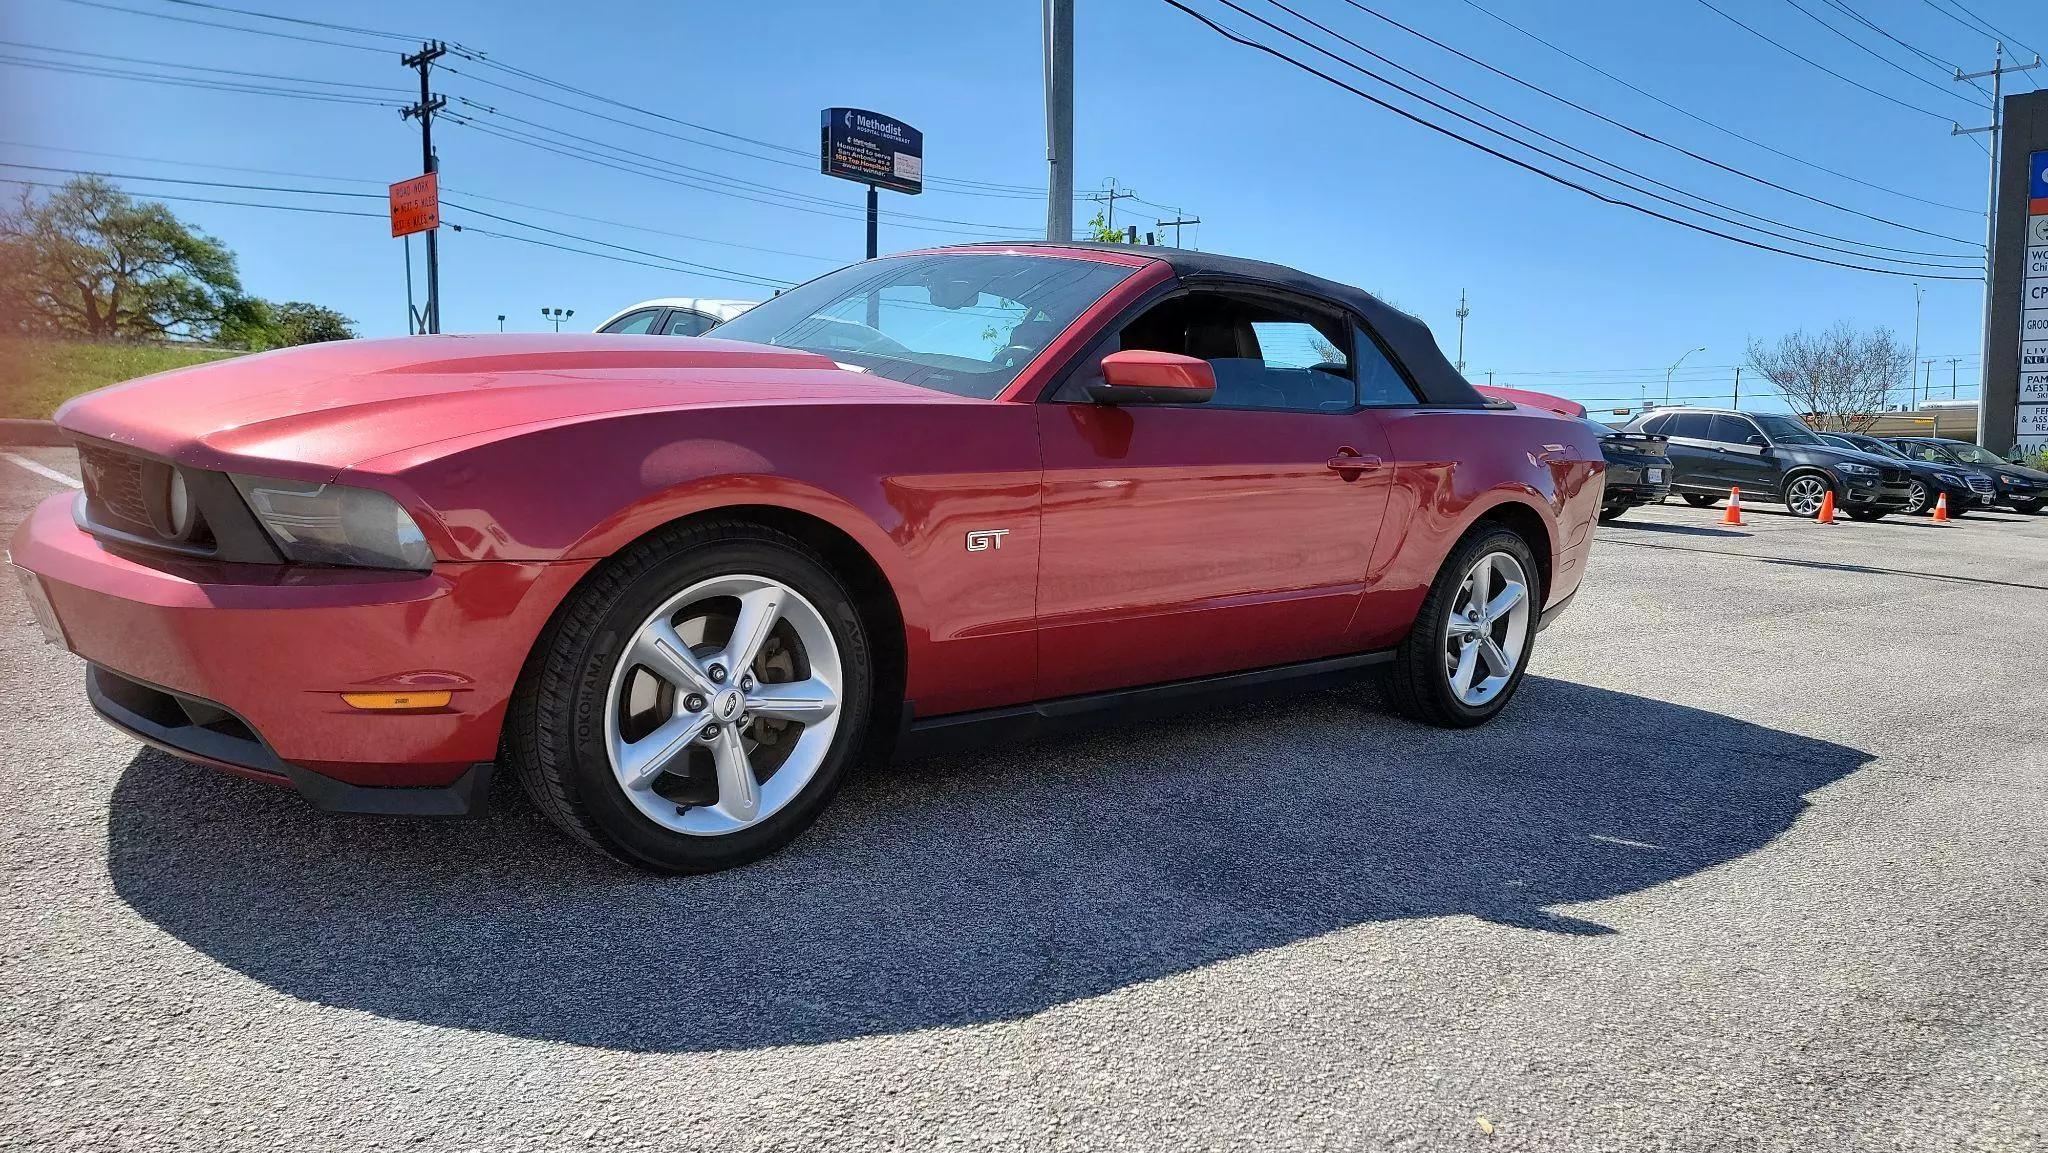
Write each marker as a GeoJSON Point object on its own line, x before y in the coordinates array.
{"type": "Point", "coordinates": [416, 205]}
{"type": "Point", "coordinates": [2031, 426]}
{"type": "Point", "coordinates": [867, 147]}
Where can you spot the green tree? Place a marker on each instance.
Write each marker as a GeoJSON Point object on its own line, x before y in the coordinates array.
{"type": "Point", "coordinates": [1099, 230]}
{"type": "Point", "coordinates": [89, 260]}
{"type": "Point", "coordinates": [256, 324]}
{"type": "Point", "coordinates": [302, 323]}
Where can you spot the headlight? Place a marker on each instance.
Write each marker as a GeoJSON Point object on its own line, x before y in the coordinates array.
{"type": "Point", "coordinates": [1950, 479]}
{"type": "Point", "coordinates": [1854, 469]}
{"type": "Point", "coordinates": [336, 524]}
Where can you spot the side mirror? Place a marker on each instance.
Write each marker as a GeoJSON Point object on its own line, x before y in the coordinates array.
{"type": "Point", "coordinates": [1757, 440]}
{"type": "Point", "coordinates": [1140, 376]}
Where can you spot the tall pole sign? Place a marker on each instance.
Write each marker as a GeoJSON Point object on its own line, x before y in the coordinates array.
{"type": "Point", "coordinates": [2032, 426]}
{"type": "Point", "coordinates": [872, 149]}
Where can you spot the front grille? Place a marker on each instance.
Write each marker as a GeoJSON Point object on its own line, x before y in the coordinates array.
{"type": "Point", "coordinates": [114, 489]}
{"type": "Point", "coordinates": [1980, 484]}
{"type": "Point", "coordinates": [1895, 475]}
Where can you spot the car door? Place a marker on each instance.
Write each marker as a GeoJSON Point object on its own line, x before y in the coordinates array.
{"type": "Point", "coordinates": [1694, 463]}
{"type": "Point", "coordinates": [1743, 454]}
{"type": "Point", "coordinates": [1184, 540]}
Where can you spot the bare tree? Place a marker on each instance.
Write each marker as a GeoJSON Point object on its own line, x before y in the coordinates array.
{"type": "Point", "coordinates": [1841, 378]}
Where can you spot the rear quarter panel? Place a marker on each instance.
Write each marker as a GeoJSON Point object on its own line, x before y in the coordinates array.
{"type": "Point", "coordinates": [1455, 466]}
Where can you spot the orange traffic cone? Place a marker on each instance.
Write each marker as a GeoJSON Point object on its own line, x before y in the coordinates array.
{"type": "Point", "coordinates": [1941, 509]}
{"type": "Point", "coordinates": [1827, 508]}
{"type": "Point", "coordinates": [1734, 514]}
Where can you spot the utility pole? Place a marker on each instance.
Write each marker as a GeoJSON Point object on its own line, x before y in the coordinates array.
{"type": "Point", "coordinates": [1952, 381]}
{"type": "Point", "coordinates": [1916, 332]}
{"type": "Point", "coordinates": [1059, 120]}
{"type": "Point", "coordinates": [1110, 197]}
{"type": "Point", "coordinates": [1927, 382]}
{"type": "Point", "coordinates": [1997, 75]}
{"type": "Point", "coordinates": [1176, 223]}
{"type": "Point", "coordinates": [1738, 388]}
{"type": "Point", "coordinates": [424, 111]}
{"type": "Point", "coordinates": [1461, 314]}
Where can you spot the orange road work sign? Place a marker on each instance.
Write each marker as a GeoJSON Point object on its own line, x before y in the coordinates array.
{"type": "Point", "coordinates": [416, 204]}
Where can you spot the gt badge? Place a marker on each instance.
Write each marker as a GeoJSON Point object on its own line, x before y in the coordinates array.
{"type": "Point", "coordinates": [984, 539]}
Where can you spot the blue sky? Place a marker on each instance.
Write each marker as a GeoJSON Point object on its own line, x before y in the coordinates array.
{"type": "Point", "coordinates": [1565, 292]}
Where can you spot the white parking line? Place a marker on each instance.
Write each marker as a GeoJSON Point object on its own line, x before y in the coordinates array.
{"type": "Point", "coordinates": [42, 470]}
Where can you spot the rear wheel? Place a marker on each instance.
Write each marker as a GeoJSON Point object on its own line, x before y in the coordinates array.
{"type": "Point", "coordinates": [1700, 499]}
{"type": "Point", "coordinates": [1470, 645]}
{"type": "Point", "coordinates": [696, 705]}
{"type": "Point", "coordinates": [1804, 493]}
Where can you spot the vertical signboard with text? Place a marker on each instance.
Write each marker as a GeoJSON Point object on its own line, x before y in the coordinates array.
{"type": "Point", "coordinates": [2032, 426]}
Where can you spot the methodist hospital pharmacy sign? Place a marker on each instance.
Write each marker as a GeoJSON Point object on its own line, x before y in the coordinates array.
{"type": "Point", "coordinates": [871, 148]}
{"type": "Point", "coordinates": [2033, 411]}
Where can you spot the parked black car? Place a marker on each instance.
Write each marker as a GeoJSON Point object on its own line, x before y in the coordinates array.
{"type": "Point", "coordinates": [1965, 485]}
{"type": "Point", "coordinates": [1638, 471]}
{"type": "Point", "coordinates": [1773, 456]}
{"type": "Point", "coordinates": [2020, 488]}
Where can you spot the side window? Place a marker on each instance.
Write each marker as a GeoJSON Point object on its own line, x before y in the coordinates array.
{"type": "Point", "coordinates": [634, 323]}
{"type": "Point", "coordinates": [1379, 382]}
{"type": "Point", "coordinates": [1731, 430]}
{"type": "Point", "coordinates": [1265, 356]}
{"type": "Point", "coordinates": [683, 322]}
{"type": "Point", "coordinates": [1655, 425]}
{"type": "Point", "coordinates": [1692, 425]}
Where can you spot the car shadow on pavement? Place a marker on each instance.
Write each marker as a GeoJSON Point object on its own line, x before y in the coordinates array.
{"type": "Point", "coordinates": [969, 888]}
{"type": "Point", "coordinates": [1673, 529]}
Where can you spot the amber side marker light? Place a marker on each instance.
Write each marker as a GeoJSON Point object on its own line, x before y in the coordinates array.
{"type": "Point", "coordinates": [398, 701]}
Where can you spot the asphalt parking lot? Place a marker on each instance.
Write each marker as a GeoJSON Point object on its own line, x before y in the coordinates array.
{"type": "Point", "coordinates": [1754, 862]}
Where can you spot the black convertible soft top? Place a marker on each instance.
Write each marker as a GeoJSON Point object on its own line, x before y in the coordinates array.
{"type": "Point", "coordinates": [1406, 336]}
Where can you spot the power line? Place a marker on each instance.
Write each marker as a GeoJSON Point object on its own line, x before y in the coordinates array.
{"type": "Point", "coordinates": [1721, 128]}
{"type": "Point", "coordinates": [196, 183]}
{"type": "Point", "coordinates": [1824, 68]}
{"type": "Point", "coordinates": [1523, 164]}
{"type": "Point", "coordinates": [687, 265]}
{"type": "Point", "coordinates": [1552, 155]}
{"type": "Point", "coordinates": [229, 27]}
{"type": "Point", "coordinates": [1875, 54]}
{"type": "Point", "coordinates": [1974, 23]}
{"type": "Point", "coordinates": [1853, 14]}
{"type": "Point", "coordinates": [207, 200]}
{"type": "Point", "coordinates": [1650, 137]}
{"type": "Point", "coordinates": [194, 82]}
{"type": "Point", "coordinates": [297, 20]}
{"type": "Point", "coordinates": [385, 88]}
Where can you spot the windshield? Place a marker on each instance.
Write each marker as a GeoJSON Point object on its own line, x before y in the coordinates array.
{"type": "Point", "coordinates": [964, 323]}
{"type": "Point", "coordinates": [1784, 430]}
{"type": "Point", "coordinates": [1973, 454]}
{"type": "Point", "coordinates": [1879, 448]}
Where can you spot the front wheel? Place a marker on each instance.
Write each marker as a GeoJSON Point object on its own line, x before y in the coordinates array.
{"type": "Point", "coordinates": [697, 703]}
{"type": "Point", "coordinates": [1612, 513]}
{"type": "Point", "coordinates": [1919, 499]}
{"type": "Point", "coordinates": [1470, 645]}
{"type": "Point", "coordinates": [2028, 507]}
{"type": "Point", "coordinates": [1866, 513]}
{"type": "Point", "coordinates": [1804, 495]}
{"type": "Point", "coordinates": [1700, 499]}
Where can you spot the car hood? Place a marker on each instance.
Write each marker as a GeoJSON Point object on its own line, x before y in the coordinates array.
{"type": "Point", "coordinates": [339, 404]}
{"type": "Point", "coordinates": [2018, 470]}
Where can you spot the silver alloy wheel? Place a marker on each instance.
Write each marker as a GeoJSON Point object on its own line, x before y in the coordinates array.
{"type": "Point", "coordinates": [1488, 626]}
{"type": "Point", "coordinates": [1805, 494]}
{"type": "Point", "coordinates": [1918, 499]}
{"type": "Point", "coordinates": [723, 705]}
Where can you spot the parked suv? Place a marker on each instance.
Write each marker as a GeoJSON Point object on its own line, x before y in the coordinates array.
{"type": "Point", "coordinates": [1966, 486]}
{"type": "Point", "coordinates": [2021, 488]}
{"type": "Point", "coordinates": [1715, 449]}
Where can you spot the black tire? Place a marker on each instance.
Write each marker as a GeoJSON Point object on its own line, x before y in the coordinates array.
{"type": "Point", "coordinates": [1700, 499]}
{"type": "Point", "coordinates": [1612, 512]}
{"type": "Point", "coordinates": [1867, 513]}
{"type": "Point", "coordinates": [1417, 683]}
{"type": "Point", "coordinates": [1919, 498]}
{"type": "Point", "coordinates": [2028, 507]}
{"type": "Point", "coordinates": [554, 732]}
{"type": "Point", "coordinates": [1793, 482]}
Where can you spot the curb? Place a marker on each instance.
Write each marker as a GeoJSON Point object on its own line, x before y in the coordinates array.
{"type": "Point", "coordinates": [32, 434]}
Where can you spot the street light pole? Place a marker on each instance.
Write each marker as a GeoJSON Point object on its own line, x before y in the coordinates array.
{"type": "Point", "coordinates": [1674, 368]}
{"type": "Point", "coordinates": [556, 316]}
{"type": "Point", "coordinates": [1059, 120]}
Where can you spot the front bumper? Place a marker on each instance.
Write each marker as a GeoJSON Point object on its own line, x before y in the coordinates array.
{"type": "Point", "coordinates": [274, 647]}
{"type": "Point", "coordinates": [1873, 492]}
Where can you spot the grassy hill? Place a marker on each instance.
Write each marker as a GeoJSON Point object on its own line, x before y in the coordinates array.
{"type": "Point", "coordinates": [37, 375]}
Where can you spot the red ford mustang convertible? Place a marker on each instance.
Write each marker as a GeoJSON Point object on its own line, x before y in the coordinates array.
{"type": "Point", "coordinates": [678, 586]}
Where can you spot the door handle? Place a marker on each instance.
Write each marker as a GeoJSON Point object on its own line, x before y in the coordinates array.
{"type": "Point", "coordinates": [1348, 463]}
